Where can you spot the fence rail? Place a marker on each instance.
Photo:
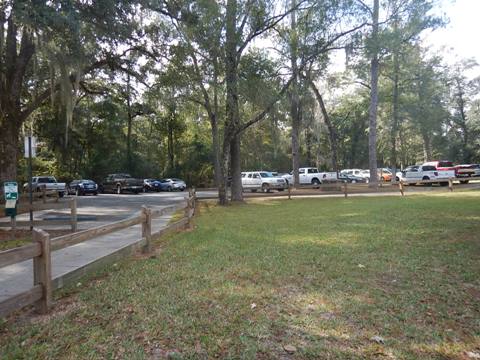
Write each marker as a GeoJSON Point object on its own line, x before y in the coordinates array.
{"type": "Point", "coordinates": [46, 204]}
{"type": "Point", "coordinates": [40, 295]}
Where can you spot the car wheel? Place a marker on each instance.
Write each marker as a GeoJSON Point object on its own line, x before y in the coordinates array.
{"type": "Point", "coordinates": [169, 188]}
{"type": "Point", "coordinates": [315, 182]}
{"type": "Point", "coordinates": [95, 193]}
{"type": "Point", "coordinates": [265, 188]}
{"type": "Point", "coordinates": [119, 189]}
{"type": "Point", "coordinates": [253, 190]}
{"type": "Point", "coordinates": [281, 189]}
{"type": "Point", "coordinates": [463, 181]}
{"type": "Point", "coordinates": [354, 181]}
{"type": "Point", "coordinates": [61, 194]}
{"type": "Point", "coordinates": [427, 178]}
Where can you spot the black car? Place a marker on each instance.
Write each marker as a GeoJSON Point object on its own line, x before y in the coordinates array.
{"type": "Point", "coordinates": [82, 187]}
{"type": "Point", "coordinates": [152, 185]}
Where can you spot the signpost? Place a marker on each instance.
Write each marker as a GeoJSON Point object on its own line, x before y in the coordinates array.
{"type": "Point", "coordinates": [30, 145]}
{"type": "Point", "coordinates": [10, 189]}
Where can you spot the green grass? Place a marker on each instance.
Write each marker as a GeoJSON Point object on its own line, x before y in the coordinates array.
{"type": "Point", "coordinates": [326, 275]}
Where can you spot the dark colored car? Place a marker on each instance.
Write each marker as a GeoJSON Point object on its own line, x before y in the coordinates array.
{"type": "Point", "coordinates": [166, 185]}
{"type": "Point", "coordinates": [82, 187]}
{"type": "Point", "coordinates": [119, 183]}
{"type": "Point", "coordinates": [152, 185]}
{"type": "Point", "coordinates": [351, 178]}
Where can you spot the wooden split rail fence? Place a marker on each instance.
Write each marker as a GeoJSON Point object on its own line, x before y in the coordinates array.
{"type": "Point", "coordinates": [40, 295]}
{"type": "Point", "coordinates": [45, 203]}
{"type": "Point", "coordinates": [359, 188]}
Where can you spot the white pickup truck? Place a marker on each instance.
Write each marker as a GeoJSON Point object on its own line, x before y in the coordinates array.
{"type": "Point", "coordinates": [47, 182]}
{"type": "Point", "coordinates": [310, 175]}
{"type": "Point", "coordinates": [427, 172]}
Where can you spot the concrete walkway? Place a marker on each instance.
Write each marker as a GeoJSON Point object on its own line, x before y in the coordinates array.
{"type": "Point", "coordinates": [71, 262]}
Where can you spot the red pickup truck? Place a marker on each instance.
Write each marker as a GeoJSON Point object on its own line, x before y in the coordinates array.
{"type": "Point", "coordinates": [461, 171]}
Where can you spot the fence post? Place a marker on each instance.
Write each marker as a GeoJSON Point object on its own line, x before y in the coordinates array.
{"type": "Point", "coordinates": [450, 184]}
{"type": "Point", "coordinates": [400, 187]}
{"type": "Point", "coordinates": [194, 201]}
{"type": "Point", "coordinates": [42, 271]}
{"type": "Point", "coordinates": [73, 214]}
{"type": "Point", "coordinates": [147, 228]}
{"type": "Point", "coordinates": [345, 191]}
{"type": "Point", "coordinates": [289, 192]}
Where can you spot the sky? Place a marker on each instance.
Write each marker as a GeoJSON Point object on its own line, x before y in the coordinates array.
{"type": "Point", "coordinates": [461, 36]}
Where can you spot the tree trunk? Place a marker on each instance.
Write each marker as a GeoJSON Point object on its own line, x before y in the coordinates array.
{"type": "Point", "coordinates": [427, 147]}
{"type": "Point", "coordinates": [372, 136]}
{"type": "Point", "coordinates": [8, 150]}
{"type": "Point", "coordinates": [129, 127]}
{"type": "Point", "coordinates": [294, 97]}
{"type": "Point", "coordinates": [395, 115]}
{"type": "Point", "coordinates": [216, 152]}
{"type": "Point", "coordinates": [332, 133]}
{"type": "Point", "coordinates": [170, 145]}
{"type": "Point", "coordinates": [232, 119]}
{"type": "Point", "coordinates": [236, 172]}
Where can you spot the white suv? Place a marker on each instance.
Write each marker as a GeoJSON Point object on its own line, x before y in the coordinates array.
{"type": "Point", "coordinates": [262, 180]}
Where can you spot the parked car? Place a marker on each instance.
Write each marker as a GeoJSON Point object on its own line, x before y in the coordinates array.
{"type": "Point", "coordinates": [262, 180]}
{"type": "Point", "coordinates": [355, 172]}
{"type": "Point", "coordinates": [400, 175]}
{"type": "Point", "coordinates": [119, 183]}
{"type": "Point", "coordinates": [383, 174]}
{"type": "Point", "coordinates": [461, 171]}
{"type": "Point", "coordinates": [152, 185]}
{"type": "Point", "coordinates": [350, 178]}
{"type": "Point", "coordinates": [310, 175]}
{"type": "Point", "coordinates": [464, 171]}
{"type": "Point", "coordinates": [476, 169]}
{"type": "Point", "coordinates": [175, 184]}
{"type": "Point", "coordinates": [47, 183]}
{"type": "Point", "coordinates": [428, 172]}
{"type": "Point", "coordinates": [82, 187]}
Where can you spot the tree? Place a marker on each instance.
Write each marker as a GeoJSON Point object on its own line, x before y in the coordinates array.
{"type": "Point", "coordinates": [33, 42]}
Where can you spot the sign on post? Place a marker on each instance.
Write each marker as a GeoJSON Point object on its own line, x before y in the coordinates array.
{"type": "Point", "coordinates": [10, 189]}
{"type": "Point", "coordinates": [32, 144]}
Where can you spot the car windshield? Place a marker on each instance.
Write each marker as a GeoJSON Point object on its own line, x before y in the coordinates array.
{"type": "Point", "coordinates": [265, 175]}
{"type": "Point", "coordinates": [88, 181]}
{"type": "Point", "coordinates": [177, 180]}
{"type": "Point", "coordinates": [46, 180]}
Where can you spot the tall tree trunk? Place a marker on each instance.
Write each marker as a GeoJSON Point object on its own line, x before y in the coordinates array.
{"type": "Point", "coordinates": [231, 108]}
{"type": "Point", "coordinates": [235, 168]}
{"type": "Point", "coordinates": [294, 97]}
{"type": "Point", "coordinates": [332, 133]}
{"type": "Point", "coordinates": [129, 127]}
{"type": "Point", "coordinates": [216, 152]}
{"type": "Point", "coordinates": [395, 114]}
{"type": "Point", "coordinates": [427, 147]}
{"type": "Point", "coordinates": [214, 125]}
{"type": "Point", "coordinates": [170, 145]}
{"type": "Point", "coordinates": [372, 136]}
{"type": "Point", "coordinates": [9, 144]}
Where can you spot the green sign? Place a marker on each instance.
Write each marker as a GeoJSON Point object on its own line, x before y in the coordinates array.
{"type": "Point", "coordinates": [10, 189]}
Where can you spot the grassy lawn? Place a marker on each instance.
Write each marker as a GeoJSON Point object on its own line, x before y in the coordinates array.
{"type": "Point", "coordinates": [322, 276]}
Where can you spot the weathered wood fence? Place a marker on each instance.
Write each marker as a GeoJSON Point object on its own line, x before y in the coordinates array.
{"type": "Point", "coordinates": [46, 203]}
{"type": "Point", "coordinates": [40, 295]}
